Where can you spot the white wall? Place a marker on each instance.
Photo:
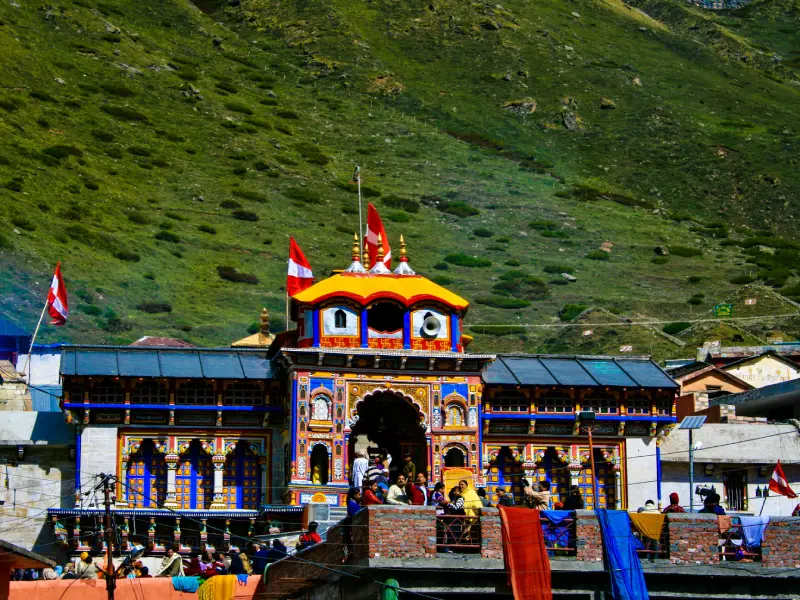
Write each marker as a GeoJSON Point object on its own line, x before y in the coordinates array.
{"type": "Point", "coordinates": [675, 477]}
{"type": "Point", "coordinates": [98, 455]}
{"type": "Point", "coordinates": [44, 368]}
{"type": "Point", "coordinates": [641, 469]}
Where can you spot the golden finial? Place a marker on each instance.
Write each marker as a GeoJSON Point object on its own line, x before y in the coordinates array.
{"type": "Point", "coordinates": [264, 321]}
{"type": "Point", "coordinates": [380, 248]}
{"type": "Point", "coordinates": [355, 250]}
{"type": "Point", "coordinates": [365, 253]}
{"type": "Point", "coordinates": [403, 256]}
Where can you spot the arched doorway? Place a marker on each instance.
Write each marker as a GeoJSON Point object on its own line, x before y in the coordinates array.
{"type": "Point", "coordinates": [319, 464]}
{"type": "Point", "coordinates": [454, 457]}
{"type": "Point", "coordinates": [394, 424]}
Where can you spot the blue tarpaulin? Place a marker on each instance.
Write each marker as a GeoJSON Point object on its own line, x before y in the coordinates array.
{"type": "Point", "coordinates": [627, 578]}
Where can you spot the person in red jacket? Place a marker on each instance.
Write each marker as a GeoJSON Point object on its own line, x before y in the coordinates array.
{"type": "Point", "coordinates": [370, 495]}
{"type": "Point", "coordinates": [417, 492]}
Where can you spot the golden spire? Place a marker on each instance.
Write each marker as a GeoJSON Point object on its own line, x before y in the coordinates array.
{"type": "Point", "coordinates": [403, 257]}
{"type": "Point", "coordinates": [403, 267]}
{"type": "Point", "coordinates": [264, 321]}
{"type": "Point", "coordinates": [380, 248]}
{"type": "Point", "coordinates": [365, 253]}
{"type": "Point", "coordinates": [355, 250]}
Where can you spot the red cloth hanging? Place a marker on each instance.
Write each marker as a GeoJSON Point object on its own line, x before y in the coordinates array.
{"type": "Point", "coordinates": [525, 554]}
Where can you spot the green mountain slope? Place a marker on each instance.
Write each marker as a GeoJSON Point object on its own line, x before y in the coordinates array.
{"type": "Point", "coordinates": [164, 154]}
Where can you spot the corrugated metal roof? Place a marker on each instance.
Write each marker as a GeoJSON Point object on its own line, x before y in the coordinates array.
{"type": "Point", "coordinates": [605, 371]}
{"type": "Point", "coordinates": [223, 363]}
{"type": "Point", "coordinates": [8, 328]}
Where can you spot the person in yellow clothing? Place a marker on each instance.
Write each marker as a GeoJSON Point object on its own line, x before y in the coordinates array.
{"type": "Point", "coordinates": [472, 506]}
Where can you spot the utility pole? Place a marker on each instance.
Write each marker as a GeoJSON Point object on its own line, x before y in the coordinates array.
{"type": "Point", "coordinates": [111, 581]}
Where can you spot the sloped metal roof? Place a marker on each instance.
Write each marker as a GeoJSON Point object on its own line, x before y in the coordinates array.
{"type": "Point", "coordinates": [9, 328]}
{"type": "Point", "coordinates": [188, 363]}
{"type": "Point", "coordinates": [604, 371]}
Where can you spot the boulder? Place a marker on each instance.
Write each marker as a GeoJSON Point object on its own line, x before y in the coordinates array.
{"type": "Point", "coordinates": [569, 277]}
{"type": "Point", "coordinates": [661, 251]}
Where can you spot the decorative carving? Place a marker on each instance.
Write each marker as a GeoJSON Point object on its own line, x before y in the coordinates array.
{"type": "Point", "coordinates": [301, 467]}
{"type": "Point", "coordinates": [338, 470]}
{"type": "Point", "coordinates": [414, 394]}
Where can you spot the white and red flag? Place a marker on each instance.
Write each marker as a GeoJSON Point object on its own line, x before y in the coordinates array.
{"type": "Point", "coordinates": [57, 305]}
{"type": "Point", "coordinates": [299, 276]}
{"type": "Point", "coordinates": [375, 227]}
{"type": "Point", "coordinates": [778, 483]}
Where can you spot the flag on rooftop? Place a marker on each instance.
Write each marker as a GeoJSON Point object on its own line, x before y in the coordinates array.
{"type": "Point", "coordinates": [57, 305]}
{"type": "Point", "coordinates": [375, 228]}
{"type": "Point", "coordinates": [778, 483]}
{"type": "Point", "coordinates": [299, 276]}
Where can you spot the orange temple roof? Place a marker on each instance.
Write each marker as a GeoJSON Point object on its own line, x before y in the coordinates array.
{"type": "Point", "coordinates": [365, 288]}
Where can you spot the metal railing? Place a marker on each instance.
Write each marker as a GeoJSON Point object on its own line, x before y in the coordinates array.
{"type": "Point", "coordinates": [653, 549]}
{"type": "Point", "coordinates": [458, 534]}
{"type": "Point", "coordinates": [559, 538]}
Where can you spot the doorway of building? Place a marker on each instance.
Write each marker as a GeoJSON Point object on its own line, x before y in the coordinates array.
{"type": "Point", "coordinates": [392, 425]}
{"type": "Point", "coordinates": [319, 465]}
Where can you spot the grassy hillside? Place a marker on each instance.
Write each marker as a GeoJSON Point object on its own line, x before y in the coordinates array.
{"type": "Point", "coordinates": [164, 154]}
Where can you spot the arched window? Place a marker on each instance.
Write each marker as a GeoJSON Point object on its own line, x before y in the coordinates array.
{"type": "Point", "coordinates": [244, 394]}
{"type": "Point", "coordinates": [321, 408]}
{"type": "Point", "coordinates": [340, 319]}
{"type": "Point", "coordinates": [241, 481]}
{"type": "Point", "coordinates": [149, 391]}
{"type": "Point", "coordinates": [454, 457]}
{"type": "Point", "coordinates": [454, 415]}
{"type": "Point", "coordinates": [194, 479]}
{"type": "Point", "coordinates": [195, 392]}
{"type": "Point", "coordinates": [107, 391]}
{"type": "Point", "coordinates": [147, 477]}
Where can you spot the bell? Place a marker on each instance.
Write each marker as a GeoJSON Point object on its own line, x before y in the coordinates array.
{"type": "Point", "coordinates": [431, 327]}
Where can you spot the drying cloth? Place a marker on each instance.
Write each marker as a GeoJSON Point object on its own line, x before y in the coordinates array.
{"type": "Point", "coordinates": [627, 578]}
{"type": "Point", "coordinates": [724, 523]}
{"type": "Point", "coordinates": [650, 525]}
{"type": "Point", "coordinates": [186, 584]}
{"type": "Point", "coordinates": [219, 587]}
{"type": "Point", "coordinates": [753, 530]}
{"type": "Point", "coordinates": [525, 554]}
{"type": "Point", "coordinates": [556, 516]}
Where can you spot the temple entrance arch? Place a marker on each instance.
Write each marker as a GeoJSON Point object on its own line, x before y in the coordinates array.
{"type": "Point", "coordinates": [392, 424]}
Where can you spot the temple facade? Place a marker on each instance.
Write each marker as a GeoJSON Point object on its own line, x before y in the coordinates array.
{"type": "Point", "coordinates": [208, 445]}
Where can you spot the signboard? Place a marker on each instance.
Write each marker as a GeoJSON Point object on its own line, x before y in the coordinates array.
{"type": "Point", "coordinates": [329, 499]}
{"type": "Point", "coordinates": [723, 310]}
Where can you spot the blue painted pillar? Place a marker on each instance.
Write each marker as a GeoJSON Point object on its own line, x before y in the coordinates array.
{"type": "Point", "coordinates": [455, 332]}
{"type": "Point", "coordinates": [658, 474]}
{"type": "Point", "coordinates": [364, 329]}
{"type": "Point", "coordinates": [407, 330]}
{"type": "Point", "coordinates": [78, 461]}
{"type": "Point", "coordinates": [315, 327]}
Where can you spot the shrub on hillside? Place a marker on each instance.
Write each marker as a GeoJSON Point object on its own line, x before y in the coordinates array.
{"type": "Point", "coordinates": [127, 256]}
{"type": "Point", "coordinates": [558, 234]}
{"type": "Point", "coordinates": [154, 307]}
{"type": "Point", "coordinates": [63, 151]}
{"type": "Point", "coordinates": [659, 260]}
{"type": "Point", "coordinates": [505, 302]}
{"type": "Point", "coordinates": [5, 242]}
{"type": "Point", "coordinates": [303, 195]}
{"type": "Point", "coordinates": [398, 217]}
{"type": "Point", "coordinates": [230, 204]}
{"type": "Point", "coordinates": [406, 204]}
{"type": "Point", "coordinates": [442, 280]}
{"type": "Point", "coordinates": [231, 274]}
{"type": "Point", "coordinates": [675, 328]}
{"type": "Point", "coordinates": [167, 236]}
{"type": "Point", "coordinates": [512, 262]}
{"type": "Point", "coordinates": [459, 209]}
{"type": "Point", "coordinates": [119, 89]}
{"type": "Point", "coordinates": [558, 269]}
{"type": "Point", "coordinates": [103, 136]}
{"type": "Point", "coordinates": [125, 113]}
{"type": "Point", "coordinates": [694, 279]}
{"type": "Point", "coordinates": [696, 299]}
{"type": "Point", "coordinates": [569, 311]}
{"type": "Point", "coordinates": [366, 191]}
{"type": "Point", "coordinates": [464, 260]}
{"type": "Point", "coordinates": [543, 225]}
{"type": "Point", "coordinates": [742, 279]}
{"type": "Point", "coordinates": [685, 251]}
{"type": "Point", "coordinates": [239, 108]}
{"type": "Point", "coordinates": [207, 229]}
{"type": "Point", "coordinates": [23, 223]}
{"type": "Point", "coordinates": [139, 151]}
{"type": "Point", "coordinates": [245, 215]}
{"type": "Point", "coordinates": [312, 154]}
{"type": "Point", "coordinates": [441, 266]}
{"type": "Point", "coordinates": [226, 87]}
{"type": "Point", "coordinates": [597, 255]}
{"type": "Point", "coordinates": [251, 195]}
{"type": "Point", "coordinates": [288, 114]}
{"type": "Point", "coordinates": [482, 232]}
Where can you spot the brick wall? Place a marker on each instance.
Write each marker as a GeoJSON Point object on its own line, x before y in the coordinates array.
{"type": "Point", "coordinates": [397, 531]}
{"type": "Point", "coordinates": [780, 548]}
{"type": "Point", "coordinates": [491, 534]}
{"type": "Point", "coordinates": [588, 542]}
{"type": "Point", "coordinates": [693, 539]}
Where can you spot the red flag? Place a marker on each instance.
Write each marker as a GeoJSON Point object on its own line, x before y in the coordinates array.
{"type": "Point", "coordinates": [778, 483]}
{"type": "Point", "coordinates": [299, 276]}
{"type": "Point", "coordinates": [57, 299]}
{"type": "Point", "coordinates": [375, 227]}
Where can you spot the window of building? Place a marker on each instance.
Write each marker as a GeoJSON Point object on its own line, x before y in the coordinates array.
{"type": "Point", "coordinates": [75, 390]}
{"type": "Point", "coordinates": [149, 391]}
{"type": "Point", "coordinates": [736, 489]}
{"type": "Point", "coordinates": [555, 402]}
{"type": "Point", "coordinates": [385, 317]}
{"type": "Point", "coordinates": [195, 392]}
{"type": "Point", "coordinates": [194, 479]}
{"type": "Point", "coordinates": [244, 394]}
{"type": "Point", "coordinates": [600, 404]}
{"type": "Point", "coordinates": [107, 391]}
{"type": "Point", "coordinates": [454, 416]}
{"type": "Point", "coordinates": [147, 477]}
{"type": "Point", "coordinates": [664, 406]}
{"type": "Point", "coordinates": [340, 319]}
{"type": "Point", "coordinates": [638, 405]}
{"type": "Point", "coordinates": [241, 481]}
{"type": "Point", "coordinates": [510, 402]}
{"type": "Point", "coordinates": [713, 388]}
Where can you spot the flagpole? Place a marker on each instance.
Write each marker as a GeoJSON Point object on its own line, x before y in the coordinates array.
{"type": "Point", "coordinates": [287, 310]}
{"type": "Point", "coordinates": [360, 217]}
{"type": "Point", "coordinates": [764, 502]}
{"type": "Point", "coordinates": [33, 339]}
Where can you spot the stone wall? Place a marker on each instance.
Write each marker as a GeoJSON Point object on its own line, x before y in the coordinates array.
{"type": "Point", "coordinates": [98, 453]}
{"type": "Point", "coordinates": [398, 531]}
{"type": "Point", "coordinates": [14, 396]}
{"type": "Point", "coordinates": [43, 479]}
{"type": "Point", "coordinates": [588, 542]}
{"type": "Point", "coordinates": [694, 539]}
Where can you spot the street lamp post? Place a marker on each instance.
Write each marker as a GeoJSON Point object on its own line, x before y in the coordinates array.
{"type": "Point", "coordinates": [691, 423]}
{"type": "Point", "coordinates": [588, 417]}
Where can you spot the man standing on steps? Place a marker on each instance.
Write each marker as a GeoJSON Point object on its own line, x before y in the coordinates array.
{"type": "Point", "coordinates": [397, 493]}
